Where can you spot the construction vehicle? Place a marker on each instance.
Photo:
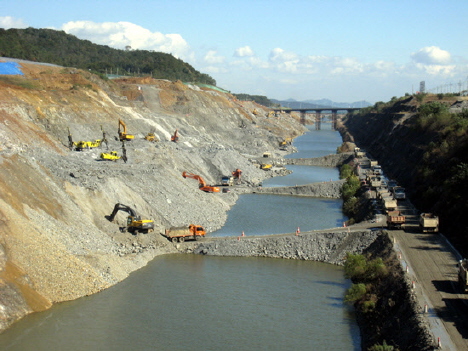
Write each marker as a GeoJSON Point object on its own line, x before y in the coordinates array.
{"type": "Point", "coordinates": [135, 224]}
{"type": "Point", "coordinates": [271, 114]}
{"type": "Point", "coordinates": [181, 234]}
{"type": "Point", "coordinates": [227, 181]}
{"type": "Point", "coordinates": [395, 220]}
{"type": "Point", "coordinates": [151, 137]}
{"type": "Point", "coordinates": [266, 154]}
{"type": "Point", "coordinates": [358, 153]}
{"type": "Point", "coordinates": [429, 223]}
{"type": "Point", "coordinates": [399, 193]}
{"type": "Point", "coordinates": [374, 181]}
{"type": "Point", "coordinates": [255, 112]}
{"type": "Point", "coordinates": [175, 137]}
{"type": "Point", "coordinates": [389, 203]}
{"type": "Point", "coordinates": [463, 274]}
{"type": "Point", "coordinates": [81, 145]}
{"type": "Point", "coordinates": [201, 183]}
{"type": "Point", "coordinates": [285, 142]}
{"type": "Point", "coordinates": [266, 166]}
{"type": "Point", "coordinates": [123, 133]}
{"type": "Point", "coordinates": [110, 156]}
{"type": "Point", "coordinates": [237, 174]}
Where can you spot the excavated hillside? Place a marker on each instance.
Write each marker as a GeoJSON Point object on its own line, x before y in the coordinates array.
{"type": "Point", "coordinates": [55, 241]}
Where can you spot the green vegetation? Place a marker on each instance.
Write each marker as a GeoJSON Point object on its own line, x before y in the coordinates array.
{"type": "Point", "coordinates": [19, 82]}
{"type": "Point", "coordinates": [259, 99]}
{"type": "Point", "coordinates": [366, 275]}
{"type": "Point", "coordinates": [52, 46]}
{"type": "Point", "coordinates": [349, 192]}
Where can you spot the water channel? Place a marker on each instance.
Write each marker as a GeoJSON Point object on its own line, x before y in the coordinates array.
{"type": "Point", "coordinates": [188, 302]}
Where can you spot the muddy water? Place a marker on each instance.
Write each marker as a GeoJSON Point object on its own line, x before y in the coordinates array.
{"type": "Point", "coordinates": [185, 302]}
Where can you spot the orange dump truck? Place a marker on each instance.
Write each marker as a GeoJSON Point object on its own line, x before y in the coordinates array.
{"type": "Point", "coordinates": [181, 234]}
{"type": "Point", "coordinates": [395, 219]}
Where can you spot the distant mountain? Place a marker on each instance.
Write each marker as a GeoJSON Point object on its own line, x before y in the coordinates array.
{"type": "Point", "coordinates": [322, 103]}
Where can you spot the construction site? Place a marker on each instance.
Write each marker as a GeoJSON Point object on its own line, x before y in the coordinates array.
{"type": "Point", "coordinates": [95, 171]}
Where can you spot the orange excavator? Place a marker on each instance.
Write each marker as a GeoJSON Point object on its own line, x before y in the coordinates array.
{"type": "Point", "coordinates": [201, 183]}
{"type": "Point", "coordinates": [237, 173]}
{"type": "Point", "coordinates": [175, 137]}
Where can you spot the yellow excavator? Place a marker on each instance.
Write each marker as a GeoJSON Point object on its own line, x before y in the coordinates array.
{"type": "Point", "coordinates": [123, 133]}
{"type": "Point", "coordinates": [110, 156]}
{"type": "Point", "coordinates": [135, 224]}
{"type": "Point", "coordinates": [201, 183]}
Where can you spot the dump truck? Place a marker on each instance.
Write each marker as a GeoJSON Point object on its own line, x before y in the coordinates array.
{"type": "Point", "coordinates": [399, 193]}
{"type": "Point", "coordinates": [227, 181]}
{"type": "Point", "coordinates": [463, 274]}
{"type": "Point", "coordinates": [389, 203]}
{"type": "Point", "coordinates": [428, 223]}
{"type": "Point", "coordinates": [180, 234]}
{"type": "Point", "coordinates": [374, 181]}
{"type": "Point", "coordinates": [395, 220]}
{"type": "Point", "coordinates": [358, 153]}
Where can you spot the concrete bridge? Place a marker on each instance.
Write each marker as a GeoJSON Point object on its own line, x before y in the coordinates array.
{"type": "Point", "coordinates": [318, 113]}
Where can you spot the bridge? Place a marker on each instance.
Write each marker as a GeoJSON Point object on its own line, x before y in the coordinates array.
{"type": "Point", "coordinates": [318, 113]}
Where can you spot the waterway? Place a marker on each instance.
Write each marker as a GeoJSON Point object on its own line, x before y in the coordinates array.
{"type": "Point", "coordinates": [188, 302]}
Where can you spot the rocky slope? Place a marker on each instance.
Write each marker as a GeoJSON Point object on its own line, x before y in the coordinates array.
{"type": "Point", "coordinates": [55, 242]}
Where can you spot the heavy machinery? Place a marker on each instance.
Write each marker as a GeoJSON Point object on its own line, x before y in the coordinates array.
{"type": "Point", "coordinates": [428, 222]}
{"type": "Point", "coordinates": [135, 224]}
{"type": "Point", "coordinates": [182, 233]}
{"type": "Point", "coordinates": [395, 219]}
{"type": "Point", "coordinates": [175, 137]}
{"type": "Point", "coordinates": [201, 183]}
{"type": "Point", "coordinates": [285, 142]}
{"type": "Point", "coordinates": [81, 145]}
{"type": "Point", "coordinates": [266, 166]}
{"type": "Point", "coordinates": [237, 174]}
{"type": "Point", "coordinates": [110, 156]}
{"type": "Point", "coordinates": [399, 193]}
{"type": "Point", "coordinates": [151, 137]}
{"type": "Point", "coordinates": [358, 153]}
{"type": "Point", "coordinates": [463, 274]}
{"type": "Point", "coordinates": [123, 132]}
{"type": "Point", "coordinates": [227, 180]}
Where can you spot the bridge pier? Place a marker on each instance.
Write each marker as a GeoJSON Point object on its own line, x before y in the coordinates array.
{"type": "Point", "coordinates": [334, 116]}
{"type": "Point", "coordinates": [303, 117]}
{"type": "Point", "coordinates": [318, 120]}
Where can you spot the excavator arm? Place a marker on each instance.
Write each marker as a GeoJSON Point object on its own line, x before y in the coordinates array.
{"type": "Point", "coordinates": [121, 207]}
{"type": "Point", "coordinates": [123, 134]}
{"type": "Point", "coordinates": [201, 183]}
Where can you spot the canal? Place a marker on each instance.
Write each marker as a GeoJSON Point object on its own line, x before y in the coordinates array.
{"type": "Point", "coordinates": [189, 302]}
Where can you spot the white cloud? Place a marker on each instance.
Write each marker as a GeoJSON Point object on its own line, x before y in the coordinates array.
{"type": "Point", "coordinates": [212, 57]}
{"type": "Point", "coordinates": [8, 22]}
{"type": "Point", "coordinates": [431, 55]}
{"type": "Point", "coordinates": [121, 34]}
{"type": "Point", "coordinates": [244, 51]}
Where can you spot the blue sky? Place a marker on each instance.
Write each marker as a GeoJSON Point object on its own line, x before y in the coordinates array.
{"type": "Point", "coordinates": [343, 50]}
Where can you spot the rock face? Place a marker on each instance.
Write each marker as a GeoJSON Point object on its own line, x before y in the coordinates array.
{"type": "Point", "coordinates": [56, 242]}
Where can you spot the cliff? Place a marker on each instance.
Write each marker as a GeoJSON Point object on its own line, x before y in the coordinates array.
{"type": "Point", "coordinates": [55, 241]}
{"type": "Point", "coordinates": [422, 142]}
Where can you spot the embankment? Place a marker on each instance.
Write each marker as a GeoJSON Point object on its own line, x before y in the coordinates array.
{"type": "Point", "coordinates": [324, 246]}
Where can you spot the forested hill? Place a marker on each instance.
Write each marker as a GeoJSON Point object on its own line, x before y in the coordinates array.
{"type": "Point", "coordinates": [58, 47]}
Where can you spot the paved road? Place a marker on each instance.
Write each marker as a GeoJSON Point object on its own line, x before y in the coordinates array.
{"type": "Point", "coordinates": [430, 262]}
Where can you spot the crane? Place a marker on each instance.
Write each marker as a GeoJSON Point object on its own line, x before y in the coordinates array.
{"type": "Point", "coordinates": [201, 183]}
{"type": "Point", "coordinates": [134, 222]}
{"type": "Point", "coordinates": [123, 134]}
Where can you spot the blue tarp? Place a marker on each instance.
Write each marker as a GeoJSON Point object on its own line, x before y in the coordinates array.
{"type": "Point", "coordinates": [10, 68]}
